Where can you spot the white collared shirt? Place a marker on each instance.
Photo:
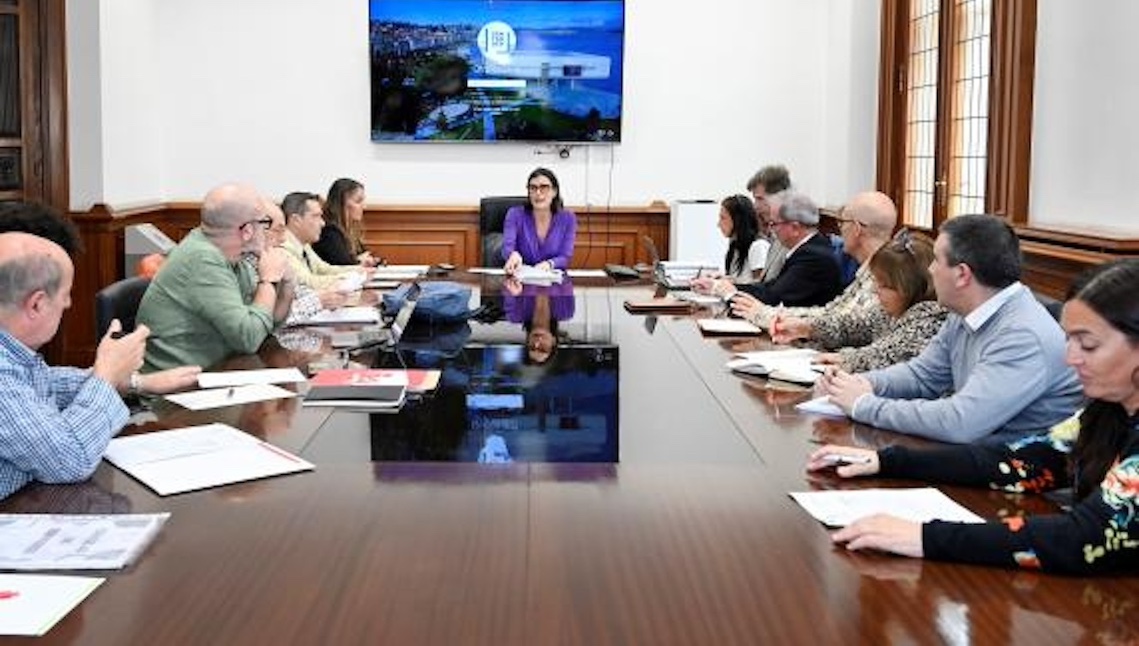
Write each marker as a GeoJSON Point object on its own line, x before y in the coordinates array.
{"type": "Point", "coordinates": [802, 242]}
{"type": "Point", "coordinates": [975, 319]}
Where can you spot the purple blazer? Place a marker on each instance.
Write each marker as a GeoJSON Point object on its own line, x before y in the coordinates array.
{"type": "Point", "coordinates": [520, 308]}
{"type": "Point", "coordinates": [520, 234]}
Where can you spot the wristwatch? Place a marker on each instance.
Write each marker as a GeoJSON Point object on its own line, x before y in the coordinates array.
{"type": "Point", "coordinates": [134, 384]}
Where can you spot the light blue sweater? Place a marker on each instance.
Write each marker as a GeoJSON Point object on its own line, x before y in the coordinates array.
{"type": "Point", "coordinates": [1005, 380]}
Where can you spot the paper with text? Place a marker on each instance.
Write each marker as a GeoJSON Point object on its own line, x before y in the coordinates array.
{"type": "Point", "coordinates": [75, 541]}
{"type": "Point", "coordinates": [219, 397]}
{"type": "Point", "coordinates": [839, 508]}
{"type": "Point", "coordinates": [199, 457]}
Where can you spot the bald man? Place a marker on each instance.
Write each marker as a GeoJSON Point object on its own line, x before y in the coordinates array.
{"type": "Point", "coordinates": [206, 304]}
{"type": "Point", "coordinates": [867, 223]}
{"type": "Point", "coordinates": [54, 422]}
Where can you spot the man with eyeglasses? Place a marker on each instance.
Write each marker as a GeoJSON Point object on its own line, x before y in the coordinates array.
{"type": "Point", "coordinates": [810, 276]}
{"type": "Point", "coordinates": [866, 222]}
{"type": "Point", "coordinates": [206, 304]}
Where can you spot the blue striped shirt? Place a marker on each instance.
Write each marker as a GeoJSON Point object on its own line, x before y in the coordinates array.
{"type": "Point", "coordinates": [54, 422]}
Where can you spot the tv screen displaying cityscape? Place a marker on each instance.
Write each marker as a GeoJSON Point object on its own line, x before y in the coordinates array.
{"type": "Point", "coordinates": [496, 70]}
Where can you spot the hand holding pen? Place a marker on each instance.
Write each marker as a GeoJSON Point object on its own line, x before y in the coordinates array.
{"type": "Point", "coordinates": [847, 461]}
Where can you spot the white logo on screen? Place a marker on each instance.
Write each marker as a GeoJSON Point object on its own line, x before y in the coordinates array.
{"type": "Point", "coordinates": [497, 40]}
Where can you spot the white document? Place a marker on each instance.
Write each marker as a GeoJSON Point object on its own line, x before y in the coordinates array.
{"type": "Point", "coordinates": [199, 457]}
{"type": "Point", "coordinates": [727, 326]}
{"type": "Point", "coordinates": [249, 377]}
{"type": "Point", "coordinates": [381, 284]}
{"type": "Point", "coordinates": [489, 271]}
{"type": "Point", "coordinates": [533, 276]}
{"type": "Point", "coordinates": [345, 316]}
{"type": "Point", "coordinates": [30, 604]}
{"type": "Point", "coordinates": [770, 357]}
{"type": "Point", "coordinates": [839, 508]}
{"type": "Point", "coordinates": [586, 273]}
{"type": "Point", "coordinates": [75, 541]}
{"type": "Point", "coordinates": [699, 299]}
{"type": "Point", "coordinates": [821, 406]}
{"type": "Point", "coordinates": [804, 374]}
{"type": "Point", "coordinates": [396, 276]}
{"type": "Point", "coordinates": [382, 271]}
{"type": "Point", "coordinates": [351, 282]}
{"type": "Point", "coordinates": [219, 397]}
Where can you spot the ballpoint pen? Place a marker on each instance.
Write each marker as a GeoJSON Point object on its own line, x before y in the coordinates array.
{"type": "Point", "coordinates": [840, 459]}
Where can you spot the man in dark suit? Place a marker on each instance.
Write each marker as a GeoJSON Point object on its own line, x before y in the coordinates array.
{"type": "Point", "coordinates": [810, 275]}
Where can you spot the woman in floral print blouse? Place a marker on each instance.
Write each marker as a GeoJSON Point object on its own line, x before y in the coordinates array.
{"type": "Point", "coordinates": [1097, 453]}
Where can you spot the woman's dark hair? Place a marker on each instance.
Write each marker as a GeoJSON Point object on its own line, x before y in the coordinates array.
{"type": "Point", "coordinates": [1109, 290]}
{"type": "Point", "coordinates": [556, 203]}
{"type": "Point", "coordinates": [334, 208]}
{"type": "Point", "coordinates": [903, 265]}
{"type": "Point", "coordinates": [745, 229]}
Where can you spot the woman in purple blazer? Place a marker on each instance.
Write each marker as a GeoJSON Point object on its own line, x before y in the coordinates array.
{"type": "Point", "coordinates": [540, 234]}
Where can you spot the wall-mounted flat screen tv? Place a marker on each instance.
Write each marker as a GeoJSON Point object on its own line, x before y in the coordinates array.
{"type": "Point", "coordinates": [496, 70]}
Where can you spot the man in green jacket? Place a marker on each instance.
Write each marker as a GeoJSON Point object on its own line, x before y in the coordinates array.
{"type": "Point", "coordinates": [206, 304]}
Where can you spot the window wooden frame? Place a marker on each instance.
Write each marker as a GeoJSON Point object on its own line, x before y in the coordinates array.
{"type": "Point", "coordinates": [1013, 52]}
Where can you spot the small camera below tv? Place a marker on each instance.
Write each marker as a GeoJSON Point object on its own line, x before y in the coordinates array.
{"type": "Point", "coordinates": [496, 70]}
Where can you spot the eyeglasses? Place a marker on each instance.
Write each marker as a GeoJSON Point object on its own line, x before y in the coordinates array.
{"type": "Point", "coordinates": [265, 222]}
{"type": "Point", "coordinates": [903, 241]}
{"type": "Point", "coordinates": [775, 223]}
{"type": "Point", "coordinates": [540, 188]}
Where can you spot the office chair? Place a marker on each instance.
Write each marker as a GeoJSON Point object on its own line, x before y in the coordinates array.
{"type": "Point", "coordinates": [1051, 304]}
{"type": "Point", "coordinates": [492, 218]}
{"type": "Point", "coordinates": [119, 300]}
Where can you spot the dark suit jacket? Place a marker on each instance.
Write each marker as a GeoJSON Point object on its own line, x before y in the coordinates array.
{"type": "Point", "coordinates": [334, 247]}
{"type": "Point", "coordinates": [810, 276]}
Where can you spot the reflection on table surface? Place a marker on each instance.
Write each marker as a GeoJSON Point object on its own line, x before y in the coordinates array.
{"type": "Point", "coordinates": [689, 537]}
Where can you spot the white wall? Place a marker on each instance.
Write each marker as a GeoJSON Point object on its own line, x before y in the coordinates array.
{"type": "Point", "coordinates": [278, 95]}
{"type": "Point", "coordinates": [1085, 150]}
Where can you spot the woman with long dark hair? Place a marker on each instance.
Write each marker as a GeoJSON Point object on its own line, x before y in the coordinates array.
{"type": "Point", "coordinates": [1096, 453]}
{"type": "Point", "coordinates": [342, 238]}
{"type": "Point", "coordinates": [747, 249]}
{"type": "Point", "coordinates": [541, 233]}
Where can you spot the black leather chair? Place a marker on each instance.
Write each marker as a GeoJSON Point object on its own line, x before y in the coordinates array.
{"type": "Point", "coordinates": [119, 300]}
{"type": "Point", "coordinates": [492, 218]}
{"type": "Point", "coordinates": [1053, 306]}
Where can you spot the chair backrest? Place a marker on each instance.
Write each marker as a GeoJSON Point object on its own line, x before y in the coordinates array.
{"type": "Point", "coordinates": [847, 265]}
{"type": "Point", "coordinates": [492, 217]}
{"type": "Point", "coordinates": [119, 300]}
{"type": "Point", "coordinates": [1053, 306]}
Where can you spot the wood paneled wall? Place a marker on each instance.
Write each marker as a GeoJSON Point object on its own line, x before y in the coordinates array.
{"type": "Point", "coordinates": [402, 234]}
{"type": "Point", "coordinates": [1054, 257]}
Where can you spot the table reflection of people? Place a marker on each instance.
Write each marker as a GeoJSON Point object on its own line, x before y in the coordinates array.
{"type": "Point", "coordinates": [538, 308]}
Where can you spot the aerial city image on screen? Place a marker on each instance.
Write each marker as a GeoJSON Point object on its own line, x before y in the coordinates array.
{"type": "Point", "coordinates": [496, 70]}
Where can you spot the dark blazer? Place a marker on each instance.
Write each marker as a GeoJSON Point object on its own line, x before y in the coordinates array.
{"type": "Point", "coordinates": [810, 276]}
{"type": "Point", "coordinates": [334, 247]}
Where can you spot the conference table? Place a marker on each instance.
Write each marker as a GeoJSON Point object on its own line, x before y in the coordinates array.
{"type": "Point", "coordinates": [690, 537]}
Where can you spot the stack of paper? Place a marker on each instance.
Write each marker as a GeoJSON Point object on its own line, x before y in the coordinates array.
{"type": "Point", "coordinates": [30, 604]}
{"type": "Point", "coordinates": [345, 316]}
{"type": "Point", "coordinates": [534, 276]}
{"type": "Point", "coordinates": [839, 508]}
{"type": "Point", "coordinates": [729, 327]}
{"type": "Point", "coordinates": [249, 377]}
{"type": "Point", "coordinates": [75, 541]}
{"type": "Point", "coordinates": [792, 365]}
{"type": "Point", "coordinates": [351, 282]}
{"type": "Point", "coordinates": [363, 388]}
{"type": "Point", "coordinates": [398, 272]}
{"type": "Point", "coordinates": [199, 457]}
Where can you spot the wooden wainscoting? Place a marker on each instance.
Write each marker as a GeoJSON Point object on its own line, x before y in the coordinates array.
{"type": "Point", "coordinates": [1054, 257]}
{"type": "Point", "coordinates": [403, 234]}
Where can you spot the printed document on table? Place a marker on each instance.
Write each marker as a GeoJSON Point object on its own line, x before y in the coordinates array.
{"type": "Point", "coordinates": [351, 282]}
{"type": "Point", "coordinates": [75, 541]}
{"type": "Point", "coordinates": [534, 276]}
{"type": "Point", "coordinates": [586, 273]}
{"type": "Point", "coordinates": [345, 316]}
{"type": "Point", "coordinates": [219, 397]}
{"type": "Point", "coordinates": [383, 270]}
{"type": "Point", "coordinates": [199, 457]}
{"type": "Point", "coordinates": [250, 377]}
{"type": "Point", "coordinates": [30, 604]}
{"type": "Point", "coordinates": [839, 508]}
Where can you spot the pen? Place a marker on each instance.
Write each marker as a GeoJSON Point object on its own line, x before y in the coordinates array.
{"type": "Point", "coordinates": [839, 459]}
{"type": "Point", "coordinates": [229, 395]}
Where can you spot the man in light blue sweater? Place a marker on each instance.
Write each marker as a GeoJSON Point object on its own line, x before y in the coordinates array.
{"type": "Point", "coordinates": [996, 369]}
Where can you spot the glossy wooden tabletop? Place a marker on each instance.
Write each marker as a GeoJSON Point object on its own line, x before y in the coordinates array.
{"type": "Point", "coordinates": [690, 539]}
